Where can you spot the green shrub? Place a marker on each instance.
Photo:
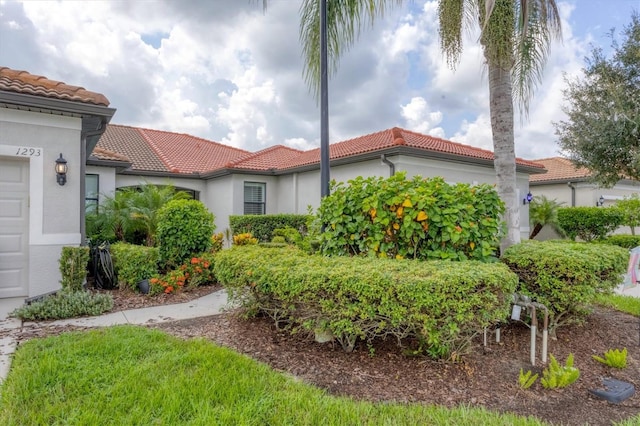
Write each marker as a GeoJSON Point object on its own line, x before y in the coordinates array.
{"type": "Point", "coordinates": [589, 223]}
{"type": "Point", "coordinates": [73, 267]}
{"type": "Point", "coordinates": [615, 358]}
{"type": "Point", "coordinates": [630, 209]}
{"type": "Point", "coordinates": [65, 304]}
{"type": "Point", "coordinates": [288, 234]}
{"type": "Point", "coordinates": [565, 276]}
{"type": "Point", "coordinates": [244, 239]}
{"type": "Point", "coordinates": [622, 240]}
{"type": "Point", "coordinates": [185, 228]}
{"type": "Point", "coordinates": [558, 376]}
{"type": "Point", "coordinates": [417, 219]}
{"type": "Point", "coordinates": [262, 226]}
{"type": "Point", "coordinates": [133, 263]}
{"type": "Point", "coordinates": [279, 240]}
{"type": "Point", "coordinates": [441, 303]}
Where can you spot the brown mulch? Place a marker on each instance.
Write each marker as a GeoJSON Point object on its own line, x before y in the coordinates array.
{"type": "Point", "coordinates": [487, 377]}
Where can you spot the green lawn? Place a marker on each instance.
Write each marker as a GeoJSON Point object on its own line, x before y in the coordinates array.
{"type": "Point", "coordinates": [131, 375]}
{"type": "Point", "coordinates": [628, 304]}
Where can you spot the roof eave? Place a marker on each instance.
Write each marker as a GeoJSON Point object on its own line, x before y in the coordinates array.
{"type": "Point", "coordinates": [53, 104]}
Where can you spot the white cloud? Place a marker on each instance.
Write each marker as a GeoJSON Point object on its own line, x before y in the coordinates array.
{"type": "Point", "coordinates": [420, 118]}
{"type": "Point", "coordinates": [229, 72]}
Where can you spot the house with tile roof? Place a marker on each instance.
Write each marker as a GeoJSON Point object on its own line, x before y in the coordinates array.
{"type": "Point", "coordinates": [44, 124]}
{"type": "Point", "coordinates": [280, 179]}
{"type": "Point", "coordinates": [571, 185]}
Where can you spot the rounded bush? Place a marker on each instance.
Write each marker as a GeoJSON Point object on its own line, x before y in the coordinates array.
{"type": "Point", "coordinates": [185, 228]}
{"type": "Point", "coordinates": [418, 218]}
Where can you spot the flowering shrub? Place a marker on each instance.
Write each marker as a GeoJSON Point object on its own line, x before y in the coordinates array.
{"type": "Point", "coordinates": [244, 239]}
{"type": "Point", "coordinates": [197, 271]}
{"type": "Point", "coordinates": [216, 242]}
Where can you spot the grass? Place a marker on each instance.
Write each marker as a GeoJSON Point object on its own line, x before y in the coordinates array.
{"type": "Point", "coordinates": [627, 304]}
{"type": "Point", "coordinates": [131, 375]}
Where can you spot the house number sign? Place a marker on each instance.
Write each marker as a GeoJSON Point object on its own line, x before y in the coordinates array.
{"type": "Point", "coordinates": [25, 151]}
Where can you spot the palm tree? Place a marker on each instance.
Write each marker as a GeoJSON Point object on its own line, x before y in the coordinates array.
{"type": "Point", "coordinates": [144, 205]}
{"type": "Point", "coordinates": [543, 212]}
{"type": "Point", "coordinates": [515, 36]}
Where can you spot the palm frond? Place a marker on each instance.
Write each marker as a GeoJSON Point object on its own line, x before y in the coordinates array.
{"type": "Point", "coordinates": [345, 20]}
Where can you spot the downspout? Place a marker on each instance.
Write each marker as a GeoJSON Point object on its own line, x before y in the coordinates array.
{"type": "Point", "coordinates": [573, 194]}
{"type": "Point", "coordinates": [392, 167]}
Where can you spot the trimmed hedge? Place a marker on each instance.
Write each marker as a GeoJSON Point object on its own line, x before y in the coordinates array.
{"type": "Point", "coordinates": [441, 303]}
{"type": "Point", "coordinates": [133, 263]}
{"type": "Point", "coordinates": [566, 276]}
{"type": "Point", "coordinates": [623, 240]}
{"type": "Point", "coordinates": [262, 226]}
{"type": "Point", "coordinates": [589, 223]}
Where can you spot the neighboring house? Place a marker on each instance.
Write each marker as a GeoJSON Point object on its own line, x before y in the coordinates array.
{"type": "Point", "coordinates": [279, 179]}
{"type": "Point", "coordinates": [40, 121]}
{"type": "Point", "coordinates": [572, 186]}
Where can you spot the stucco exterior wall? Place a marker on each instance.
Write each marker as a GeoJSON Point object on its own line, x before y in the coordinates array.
{"type": "Point", "coordinates": [54, 210]}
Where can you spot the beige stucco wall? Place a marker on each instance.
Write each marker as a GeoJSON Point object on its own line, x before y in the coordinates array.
{"type": "Point", "coordinates": [54, 210]}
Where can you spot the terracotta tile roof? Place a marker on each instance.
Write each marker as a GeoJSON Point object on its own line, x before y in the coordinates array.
{"type": "Point", "coordinates": [394, 137]}
{"type": "Point", "coordinates": [559, 169]}
{"type": "Point", "coordinates": [129, 142]}
{"type": "Point", "coordinates": [23, 82]}
{"type": "Point", "coordinates": [105, 154]}
{"type": "Point", "coordinates": [161, 151]}
{"type": "Point", "coordinates": [275, 157]}
{"type": "Point", "coordinates": [182, 153]}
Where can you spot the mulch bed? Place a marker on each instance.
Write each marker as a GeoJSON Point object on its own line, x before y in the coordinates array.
{"type": "Point", "coordinates": [486, 377]}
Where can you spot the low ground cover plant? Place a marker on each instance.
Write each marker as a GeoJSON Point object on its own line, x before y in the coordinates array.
{"type": "Point", "coordinates": [566, 277]}
{"type": "Point", "coordinates": [65, 304]}
{"type": "Point", "coordinates": [441, 304]}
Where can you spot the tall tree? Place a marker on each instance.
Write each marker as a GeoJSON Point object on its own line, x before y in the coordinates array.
{"type": "Point", "coordinates": [515, 36]}
{"type": "Point", "coordinates": [602, 132]}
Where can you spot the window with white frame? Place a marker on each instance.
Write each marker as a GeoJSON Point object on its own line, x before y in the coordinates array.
{"type": "Point", "coordinates": [91, 190]}
{"type": "Point", "coordinates": [255, 197]}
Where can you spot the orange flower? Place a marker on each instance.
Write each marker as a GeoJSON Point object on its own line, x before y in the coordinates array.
{"type": "Point", "coordinates": [205, 264]}
{"type": "Point", "coordinates": [195, 261]}
{"type": "Point", "coordinates": [168, 290]}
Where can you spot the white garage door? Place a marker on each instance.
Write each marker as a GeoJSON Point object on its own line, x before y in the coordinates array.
{"type": "Point", "coordinates": [14, 227]}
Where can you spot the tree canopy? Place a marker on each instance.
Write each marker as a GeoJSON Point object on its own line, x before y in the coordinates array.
{"type": "Point", "coordinates": [602, 132]}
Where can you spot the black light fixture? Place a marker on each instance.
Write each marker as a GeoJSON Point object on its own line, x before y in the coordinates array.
{"type": "Point", "coordinates": [527, 199]}
{"type": "Point", "coordinates": [600, 201]}
{"type": "Point", "coordinates": [61, 170]}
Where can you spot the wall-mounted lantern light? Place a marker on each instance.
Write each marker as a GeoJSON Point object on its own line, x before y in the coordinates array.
{"type": "Point", "coordinates": [600, 201]}
{"type": "Point", "coordinates": [527, 199]}
{"type": "Point", "coordinates": [61, 170]}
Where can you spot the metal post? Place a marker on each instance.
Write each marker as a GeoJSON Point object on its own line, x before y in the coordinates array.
{"type": "Point", "coordinates": [534, 328]}
{"type": "Point", "coordinates": [324, 104]}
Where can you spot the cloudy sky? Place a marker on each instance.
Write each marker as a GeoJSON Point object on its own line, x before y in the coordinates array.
{"type": "Point", "coordinates": [227, 71]}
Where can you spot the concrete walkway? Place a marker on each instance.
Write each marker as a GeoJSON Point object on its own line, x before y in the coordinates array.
{"type": "Point", "coordinates": [211, 304]}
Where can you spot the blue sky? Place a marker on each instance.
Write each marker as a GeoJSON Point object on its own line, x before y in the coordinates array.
{"type": "Point", "coordinates": [230, 72]}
